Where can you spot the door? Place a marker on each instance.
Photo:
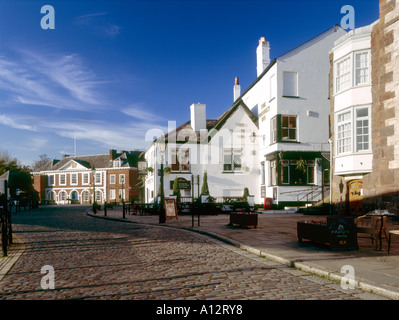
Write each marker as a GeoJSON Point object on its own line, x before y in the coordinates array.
{"type": "Point", "coordinates": [355, 196]}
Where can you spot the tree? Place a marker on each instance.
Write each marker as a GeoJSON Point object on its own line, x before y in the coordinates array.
{"type": "Point", "coordinates": [245, 194]}
{"type": "Point", "coordinates": [43, 159]}
{"type": "Point", "coordinates": [204, 188]}
{"type": "Point", "coordinates": [7, 163]}
{"type": "Point", "coordinates": [176, 190]}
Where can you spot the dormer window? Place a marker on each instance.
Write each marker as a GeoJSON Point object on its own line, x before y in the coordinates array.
{"type": "Point", "coordinates": [117, 163]}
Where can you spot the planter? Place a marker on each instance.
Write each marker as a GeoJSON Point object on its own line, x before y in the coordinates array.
{"type": "Point", "coordinates": [339, 233]}
{"type": "Point", "coordinates": [244, 220]}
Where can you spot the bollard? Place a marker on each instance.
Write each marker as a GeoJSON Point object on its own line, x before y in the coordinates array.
{"type": "Point", "coordinates": [105, 209]}
{"type": "Point", "coordinates": [123, 209]}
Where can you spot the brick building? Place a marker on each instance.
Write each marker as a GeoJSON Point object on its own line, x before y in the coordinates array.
{"type": "Point", "coordinates": [364, 115]}
{"type": "Point", "coordinates": [112, 177]}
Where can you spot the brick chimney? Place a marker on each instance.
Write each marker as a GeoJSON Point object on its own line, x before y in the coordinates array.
{"type": "Point", "coordinates": [112, 154]}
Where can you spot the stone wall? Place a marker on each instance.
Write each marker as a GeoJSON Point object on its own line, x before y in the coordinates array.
{"type": "Point", "coordinates": [381, 187]}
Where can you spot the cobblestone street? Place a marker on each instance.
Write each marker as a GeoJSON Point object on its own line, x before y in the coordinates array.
{"type": "Point", "coordinates": [99, 259]}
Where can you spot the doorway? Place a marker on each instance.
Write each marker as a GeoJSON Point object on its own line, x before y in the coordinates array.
{"type": "Point", "coordinates": [355, 197]}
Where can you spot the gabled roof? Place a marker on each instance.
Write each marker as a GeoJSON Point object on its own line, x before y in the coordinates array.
{"type": "Point", "coordinates": [128, 159]}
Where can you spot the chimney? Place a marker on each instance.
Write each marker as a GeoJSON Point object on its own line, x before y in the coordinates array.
{"type": "Point", "coordinates": [112, 154]}
{"type": "Point", "coordinates": [198, 116]}
{"type": "Point", "coordinates": [237, 89]}
{"type": "Point", "coordinates": [65, 156]}
{"type": "Point", "coordinates": [262, 55]}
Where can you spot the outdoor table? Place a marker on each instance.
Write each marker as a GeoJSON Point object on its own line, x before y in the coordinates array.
{"type": "Point", "coordinates": [381, 215]}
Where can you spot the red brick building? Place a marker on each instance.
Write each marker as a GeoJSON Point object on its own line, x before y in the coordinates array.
{"type": "Point", "coordinates": [112, 177]}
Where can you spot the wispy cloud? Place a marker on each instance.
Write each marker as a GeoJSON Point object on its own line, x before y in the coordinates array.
{"type": "Point", "coordinates": [95, 23]}
{"type": "Point", "coordinates": [16, 123]}
{"type": "Point", "coordinates": [138, 111]}
{"type": "Point", "coordinates": [58, 81]}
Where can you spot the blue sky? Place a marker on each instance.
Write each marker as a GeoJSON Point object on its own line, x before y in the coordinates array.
{"type": "Point", "coordinates": [112, 70]}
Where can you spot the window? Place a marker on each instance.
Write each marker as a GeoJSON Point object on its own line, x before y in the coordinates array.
{"type": "Point", "coordinates": [112, 179]}
{"type": "Point", "coordinates": [290, 84]}
{"type": "Point", "coordinates": [74, 195]}
{"type": "Point", "coordinates": [343, 74]}
{"type": "Point", "coordinates": [344, 133]}
{"type": "Point", "coordinates": [352, 70]}
{"type": "Point", "coordinates": [273, 172]}
{"type": "Point", "coordinates": [74, 178]}
{"type": "Point", "coordinates": [288, 127]}
{"type": "Point", "coordinates": [86, 196]}
{"type": "Point", "coordinates": [51, 180]}
{"type": "Point", "coordinates": [263, 173]}
{"type": "Point", "coordinates": [273, 135]}
{"type": "Point", "coordinates": [122, 194]}
{"type": "Point", "coordinates": [62, 179]}
{"type": "Point", "coordinates": [362, 129]}
{"type": "Point", "coordinates": [112, 194]}
{"type": "Point", "coordinates": [283, 128]}
{"type": "Point", "coordinates": [98, 196]}
{"type": "Point", "coordinates": [362, 69]}
{"type": "Point", "coordinates": [117, 163]}
{"type": "Point", "coordinates": [85, 178]}
{"type": "Point", "coordinates": [285, 172]}
{"type": "Point", "coordinates": [180, 159]}
{"type": "Point", "coordinates": [232, 159]}
{"type": "Point", "coordinates": [121, 179]}
{"type": "Point", "coordinates": [310, 171]}
{"type": "Point", "coordinates": [98, 178]}
{"type": "Point", "coordinates": [63, 195]}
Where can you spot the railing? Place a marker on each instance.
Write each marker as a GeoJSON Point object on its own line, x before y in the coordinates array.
{"type": "Point", "coordinates": [310, 194]}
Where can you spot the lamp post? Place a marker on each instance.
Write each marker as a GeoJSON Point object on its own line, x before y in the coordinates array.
{"type": "Point", "coordinates": [94, 190]}
{"type": "Point", "coordinates": [161, 148]}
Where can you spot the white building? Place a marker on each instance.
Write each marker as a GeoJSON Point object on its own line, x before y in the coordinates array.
{"type": "Point", "coordinates": [221, 147]}
{"type": "Point", "coordinates": [291, 99]}
{"type": "Point", "coordinates": [351, 112]}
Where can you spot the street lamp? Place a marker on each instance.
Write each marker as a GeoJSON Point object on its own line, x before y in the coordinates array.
{"type": "Point", "coordinates": [162, 148]}
{"type": "Point", "coordinates": [93, 170]}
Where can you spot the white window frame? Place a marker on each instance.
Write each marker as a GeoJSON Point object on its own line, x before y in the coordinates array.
{"type": "Point", "coordinates": [86, 195]}
{"type": "Point", "coordinates": [65, 178]}
{"type": "Point", "coordinates": [112, 178]}
{"type": "Point", "coordinates": [85, 176]}
{"type": "Point", "coordinates": [98, 178]}
{"type": "Point", "coordinates": [367, 68]}
{"type": "Point", "coordinates": [352, 127]}
{"type": "Point", "coordinates": [288, 128]}
{"type": "Point", "coordinates": [63, 192]}
{"type": "Point", "coordinates": [122, 194]}
{"type": "Point", "coordinates": [51, 180]}
{"type": "Point", "coordinates": [290, 84]}
{"type": "Point", "coordinates": [112, 194]}
{"type": "Point", "coordinates": [231, 153]}
{"type": "Point", "coordinates": [351, 71]}
{"type": "Point", "coordinates": [343, 81]}
{"type": "Point", "coordinates": [344, 142]}
{"type": "Point", "coordinates": [355, 129]}
{"type": "Point", "coordinates": [71, 179]}
{"type": "Point", "coordinates": [122, 178]}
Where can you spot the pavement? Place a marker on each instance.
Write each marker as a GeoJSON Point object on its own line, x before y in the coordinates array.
{"type": "Point", "coordinates": [275, 238]}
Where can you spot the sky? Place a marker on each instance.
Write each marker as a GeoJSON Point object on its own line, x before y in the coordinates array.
{"type": "Point", "coordinates": [109, 72]}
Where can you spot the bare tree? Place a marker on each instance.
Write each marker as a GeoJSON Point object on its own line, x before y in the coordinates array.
{"type": "Point", "coordinates": [43, 159]}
